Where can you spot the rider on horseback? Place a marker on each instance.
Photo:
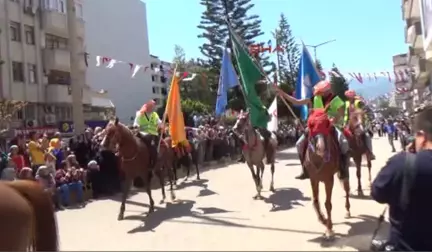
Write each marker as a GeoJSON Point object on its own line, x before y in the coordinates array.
{"type": "Point", "coordinates": [354, 102]}
{"type": "Point", "coordinates": [323, 97]}
{"type": "Point", "coordinates": [148, 123]}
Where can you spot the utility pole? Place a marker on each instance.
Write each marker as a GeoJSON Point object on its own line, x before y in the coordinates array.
{"type": "Point", "coordinates": [321, 44]}
{"type": "Point", "coordinates": [75, 73]}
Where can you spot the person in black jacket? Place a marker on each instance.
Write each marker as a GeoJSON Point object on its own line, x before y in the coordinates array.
{"type": "Point", "coordinates": [411, 222]}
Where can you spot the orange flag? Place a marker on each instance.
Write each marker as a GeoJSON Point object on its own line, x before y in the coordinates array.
{"type": "Point", "coordinates": [175, 114]}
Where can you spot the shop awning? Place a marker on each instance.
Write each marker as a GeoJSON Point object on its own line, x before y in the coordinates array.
{"type": "Point", "coordinates": [101, 102]}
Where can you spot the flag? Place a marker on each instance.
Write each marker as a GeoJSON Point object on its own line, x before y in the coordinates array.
{"type": "Point", "coordinates": [272, 125]}
{"type": "Point", "coordinates": [250, 74]}
{"type": "Point", "coordinates": [307, 78]}
{"type": "Point", "coordinates": [227, 79]}
{"type": "Point", "coordinates": [175, 114]}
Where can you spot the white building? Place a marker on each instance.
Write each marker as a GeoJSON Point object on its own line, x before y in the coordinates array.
{"type": "Point", "coordinates": [161, 79]}
{"type": "Point", "coordinates": [118, 29]}
{"type": "Point", "coordinates": [418, 34]}
{"type": "Point", "coordinates": [35, 65]}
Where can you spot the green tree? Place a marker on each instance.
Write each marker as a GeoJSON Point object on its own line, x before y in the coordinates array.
{"type": "Point", "coordinates": [289, 59]}
{"type": "Point", "coordinates": [215, 32]}
{"type": "Point", "coordinates": [339, 83]}
{"type": "Point", "coordinates": [318, 65]}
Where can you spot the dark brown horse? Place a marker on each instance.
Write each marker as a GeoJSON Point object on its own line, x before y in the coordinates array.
{"type": "Point", "coordinates": [135, 161]}
{"type": "Point", "coordinates": [27, 218]}
{"type": "Point", "coordinates": [356, 139]}
{"type": "Point", "coordinates": [186, 157]}
{"type": "Point", "coordinates": [322, 161]}
{"type": "Point", "coordinates": [254, 151]}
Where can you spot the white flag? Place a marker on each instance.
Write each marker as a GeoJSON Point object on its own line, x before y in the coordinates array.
{"type": "Point", "coordinates": [272, 125]}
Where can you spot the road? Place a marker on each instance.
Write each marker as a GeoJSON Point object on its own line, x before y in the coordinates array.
{"type": "Point", "coordinates": [218, 213]}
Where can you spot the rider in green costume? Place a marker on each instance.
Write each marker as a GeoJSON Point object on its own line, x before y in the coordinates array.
{"type": "Point", "coordinates": [322, 97]}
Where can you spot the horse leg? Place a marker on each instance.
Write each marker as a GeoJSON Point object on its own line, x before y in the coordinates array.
{"type": "Point", "coordinates": [260, 172]}
{"type": "Point", "coordinates": [255, 179]}
{"type": "Point", "coordinates": [171, 182]}
{"type": "Point", "coordinates": [358, 173]}
{"type": "Point", "coordinates": [315, 198]}
{"type": "Point", "coordinates": [125, 193]}
{"type": "Point", "coordinates": [272, 169]}
{"type": "Point", "coordinates": [369, 166]}
{"type": "Point", "coordinates": [329, 234]}
{"type": "Point", "coordinates": [148, 189]}
{"type": "Point", "coordinates": [160, 174]}
{"type": "Point", "coordinates": [188, 166]}
{"type": "Point", "coordinates": [346, 187]}
{"type": "Point", "coordinates": [174, 168]}
{"type": "Point", "coordinates": [197, 170]}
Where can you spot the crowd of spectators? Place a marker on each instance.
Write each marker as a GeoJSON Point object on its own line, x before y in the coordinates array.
{"type": "Point", "coordinates": [76, 169]}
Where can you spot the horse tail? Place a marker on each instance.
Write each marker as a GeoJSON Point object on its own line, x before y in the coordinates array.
{"type": "Point", "coordinates": [45, 237]}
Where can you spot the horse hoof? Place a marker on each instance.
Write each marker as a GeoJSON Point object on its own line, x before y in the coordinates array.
{"type": "Point", "coordinates": [120, 217]}
{"type": "Point", "coordinates": [272, 189]}
{"type": "Point", "coordinates": [360, 192]}
{"type": "Point", "coordinates": [329, 235]}
{"type": "Point", "coordinates": [255, 197]}
{"type": "Point", "coordinates": [185, 180]}
{"type": "Point", "coordinates": [198, 178]}
{"type": "Point", "coordinates": [347, 215]}
{"type": "Point", "coordinates": [162, 202]}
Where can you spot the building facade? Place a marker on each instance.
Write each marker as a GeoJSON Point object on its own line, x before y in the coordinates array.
{"type": "Point", "coordinates": [403, 82]}
{"type": "Point", "coordinates": [418, 35]}
{"type": "Point", "coordinates": [125, 39]}
{"type": "Point", "coordinates": [35, 57]}
{"type": "Point", "coordinates": [160, 79]}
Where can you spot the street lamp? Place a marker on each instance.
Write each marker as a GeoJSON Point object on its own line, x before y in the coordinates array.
{"type": "Point", "coordinates": [321, 44]}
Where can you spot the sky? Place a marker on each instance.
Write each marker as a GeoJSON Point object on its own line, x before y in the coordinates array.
{"type": "Point", "coordinates": [367, 32]}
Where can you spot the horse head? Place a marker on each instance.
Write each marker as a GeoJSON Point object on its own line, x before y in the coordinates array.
{"type": "Point", "coordinates": [115, 133]}
{"type": "Point", "coordinates": [242, 123]}
{"type": "Point", "coordinates": [319, 126]}
{"type": "Point", "coordinates": [356, 122]}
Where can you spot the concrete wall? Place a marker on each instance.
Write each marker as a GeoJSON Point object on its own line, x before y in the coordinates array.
{"type": "Point", "coordinates": [118, 29]}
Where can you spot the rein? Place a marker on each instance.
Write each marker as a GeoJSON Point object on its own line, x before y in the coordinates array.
{"type": "Point", "coordinates": [255, 144]}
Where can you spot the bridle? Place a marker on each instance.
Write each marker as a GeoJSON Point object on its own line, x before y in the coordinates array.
{"type": "Point", "coordinates": [118, 139]}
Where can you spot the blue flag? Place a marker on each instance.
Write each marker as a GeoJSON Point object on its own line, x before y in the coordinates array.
{"type": "Point", "coordinates": [307, 78]}
{"type": "Point", "coordinates": [227, 79]}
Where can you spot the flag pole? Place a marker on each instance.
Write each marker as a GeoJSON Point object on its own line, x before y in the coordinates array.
{"type": "Point", "coordinates": [165, 115]}
{"type": "Point", "coordinates": [261, 70]}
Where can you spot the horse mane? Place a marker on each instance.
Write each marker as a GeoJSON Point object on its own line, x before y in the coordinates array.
{"type": "Point", "coordinates": [124, 129]}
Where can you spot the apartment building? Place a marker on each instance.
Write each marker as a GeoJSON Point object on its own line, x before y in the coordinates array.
{"type": "Point", "coordinates": [403, 82]}
{"type": "Point", "coordinates": [118, 30]}
{"type": "Point", "coordinates": [418, 35]}
{"type": "Point", "coordinates": [161, 78]}
{"type": "Point", "coordinates": [34, 49]}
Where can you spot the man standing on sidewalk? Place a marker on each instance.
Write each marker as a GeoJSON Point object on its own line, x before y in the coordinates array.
{"type": "Point", "coordinates": [390, 129]}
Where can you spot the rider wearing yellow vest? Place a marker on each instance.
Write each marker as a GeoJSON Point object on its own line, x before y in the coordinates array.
{"type": "Point", "coordinates": [148, 123]}
{"type": "Point", "coordinates": [354, 102]}
{"type": "Point", "coordinates": [322, 97]}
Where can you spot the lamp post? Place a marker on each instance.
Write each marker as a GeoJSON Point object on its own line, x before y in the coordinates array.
{"type": "Point", "coordinates": [321, 44]}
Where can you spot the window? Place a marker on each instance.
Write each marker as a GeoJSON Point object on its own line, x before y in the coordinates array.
{"type": "Point", "coordinates": [30, 111]}
{"type": "Point", "coordinates": [79, 10]}
{"type": "Point", "coordinates": [32, 74]}
{"type": "Point", "coordinates": [163, 79]}
{"type": "Point", "coordinates": [62, 6]}
{"type": "Point", "coordinates": [153, 78]}
{"type": "Point", "coordinates": [151, 66]}
{"type": "Point", "coordinates": [55, 42]}
{"type": "Point", "coordinates": [15, 30]}
{"type": "Point", "coordinates": [29, 35]}
{"type": "Point", "coordinates": [157, 101]}
{"type": "Point", "coordinates": [68, 113]}
{"type": "Point", "coordinates": [59, 77]}
{"type": "Point", "coordinates": [163, 91]}
{"type": "Point", "coordinates": [18, 71]}
{"type": "Point", "coordinates": [156, 90]}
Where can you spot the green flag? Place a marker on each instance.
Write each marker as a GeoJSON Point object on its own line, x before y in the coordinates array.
{"type": "Point", "coordinates": [250, 74]}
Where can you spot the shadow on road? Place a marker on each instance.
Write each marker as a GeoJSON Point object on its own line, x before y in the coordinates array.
{"type": "Point", "coordinates": [285, 199]}
{"type": "Point", "coordinates": [286, 156]}
{"type": "Point", "coordinates": [202, 183]}
{"type": "Point", "coordinates": [359, 235]}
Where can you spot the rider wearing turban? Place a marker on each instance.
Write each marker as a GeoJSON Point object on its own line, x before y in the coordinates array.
{"type": "Point", "coordinates": [322, 97]}
{"type": "Point", "coordinates": [354, 102]}
{"type": "Point", "coordinates": [148, 122]}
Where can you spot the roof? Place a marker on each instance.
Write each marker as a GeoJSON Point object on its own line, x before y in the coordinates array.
{"type": "Point", "coordinates": [101, 102]}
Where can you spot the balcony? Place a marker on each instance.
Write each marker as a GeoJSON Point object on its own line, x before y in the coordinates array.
{"type": "Point", "coordinates": [56, 93]}
{"type": "Point", "coordinates": [56, 23]}
{"type": "Point", "coordinates": [421, 75]}
{"type": "Point", "coordinates": [414, 36]}
{"type": "Point", "coordinates": [410, 9]}
{"type": "Point", "coordinates": [58, 59]}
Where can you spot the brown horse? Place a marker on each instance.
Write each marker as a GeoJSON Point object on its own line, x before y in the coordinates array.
{"type": "Point", "coordinates": [135, 161]}
{"type": "Point", "coordinates": [254, 151]}
{"type": "Point", "coordinates": [322, 161]}
{"type": "Point", "coordinates": [27, 218]}
{"type": "Point", "coordinates": [356, 139]}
